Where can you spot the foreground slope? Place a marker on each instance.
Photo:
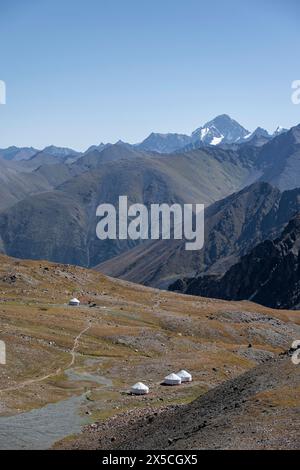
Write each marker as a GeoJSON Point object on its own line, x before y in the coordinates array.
{"type": "Point", "coordinates": [257, 410]}
{"type": "Point", "coordinates": [122, 333]}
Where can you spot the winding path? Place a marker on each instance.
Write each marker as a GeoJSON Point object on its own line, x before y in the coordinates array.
{"type": "Point", "coordinates": [58, 371]}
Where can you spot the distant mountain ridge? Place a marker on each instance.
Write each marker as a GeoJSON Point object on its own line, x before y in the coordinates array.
{"type": "Point", "coordinates": [164, 143]}
{"type": "Point", "coordinates": [60, 151]}
{"type": "Point", "coordinates": [222, 130]}
{"type": "Point", "coordinates": [17, 153]}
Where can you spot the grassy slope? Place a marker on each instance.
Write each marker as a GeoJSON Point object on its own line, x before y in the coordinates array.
{"type": "Point", "coordinates": [137, 333]}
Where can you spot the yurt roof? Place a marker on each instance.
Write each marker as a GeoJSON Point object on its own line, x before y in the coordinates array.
{"type": "Point", "coordinates": [140, 386]}
{"type": "Point", "coordinates": [172, 377]}
{"type": "Point", "coordinates": [183, 373]}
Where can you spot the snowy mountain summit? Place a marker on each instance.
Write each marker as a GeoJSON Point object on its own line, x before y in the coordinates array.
{"type": "Point", "coordinates": [222, 129]}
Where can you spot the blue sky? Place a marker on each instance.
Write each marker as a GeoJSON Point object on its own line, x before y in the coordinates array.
{"type": "Point", "coordinates": [81, 72]}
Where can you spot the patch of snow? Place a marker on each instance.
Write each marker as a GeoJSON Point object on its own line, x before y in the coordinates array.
{"type": "Point", "coordinates": [204, 132]}
{"type": "Point", "coordinates": [217, 140]}
{"type": "Point", "coordinates": [248, 136]}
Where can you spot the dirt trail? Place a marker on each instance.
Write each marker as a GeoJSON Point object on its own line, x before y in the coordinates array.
{"type": "Point", "coordinates": [58, 371]}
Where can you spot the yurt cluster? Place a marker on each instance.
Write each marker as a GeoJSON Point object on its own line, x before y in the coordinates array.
{"type": "Point", "coordinates": [172, 379]}
{"type": "Point", "coordinates": [141, 389]}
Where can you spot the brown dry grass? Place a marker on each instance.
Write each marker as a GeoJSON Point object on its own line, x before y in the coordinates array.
{"type": "Point", "coordinates": [137, 333]}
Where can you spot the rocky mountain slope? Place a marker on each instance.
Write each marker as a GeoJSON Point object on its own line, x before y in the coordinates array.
{"type": "Point", "coordinates": [269, 274]}
{"type": "Point", "coordinates": [222, 129]}
{"type": "Point", "coordinates": [108, 154]}
{"type": "Point", "coordinates": [17, 153]}
{"type": "Point", "coordinates": [164, 143]}
{"type": "Point", "coordinates": [16, 184]}
{"type": "Point", "coordinates": [258, 138]}
{"type": "Point", "coordinates": [257, 410]}
{"type": "Point", "coordinates": [279, 160]}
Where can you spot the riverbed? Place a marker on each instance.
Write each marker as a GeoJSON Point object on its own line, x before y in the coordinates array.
{"type": "Point", "coordinates": [41, 428]}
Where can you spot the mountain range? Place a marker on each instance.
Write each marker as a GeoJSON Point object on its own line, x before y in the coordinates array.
{"type": "Point", "coordinates": [60, 224]}
{"type": "Point", "coordinates": [232, 225]}
{"type": "Point", "coordinates": [249, 184]}
{"type": "Point", "coordinates": [222, 130]}
{"type": "Point", "coordinates": [17, 153]}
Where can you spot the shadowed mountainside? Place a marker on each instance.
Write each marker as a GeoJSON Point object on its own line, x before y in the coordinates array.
{"type": "Point", "coordinates": [269, 274]}
{"type": "Point", "coordinates": [233, 226]}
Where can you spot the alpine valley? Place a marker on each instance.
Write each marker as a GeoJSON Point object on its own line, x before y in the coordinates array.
{"type": "Point", "coordinates": [226, 313]}
{"type": "Point", "coordinates": [49, 197]}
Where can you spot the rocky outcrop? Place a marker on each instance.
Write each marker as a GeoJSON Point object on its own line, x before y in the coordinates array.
{"type": "Point", "coordinates": [269, 274]}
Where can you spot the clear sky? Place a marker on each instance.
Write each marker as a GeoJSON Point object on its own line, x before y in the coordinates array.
{"type": "Point", "coordinates": [82, 72]}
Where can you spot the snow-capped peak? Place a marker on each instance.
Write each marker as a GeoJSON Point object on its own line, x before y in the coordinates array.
{"type": "Point", "coordinates": [222, 129]}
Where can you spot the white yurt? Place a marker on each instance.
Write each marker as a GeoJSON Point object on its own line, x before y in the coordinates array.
{"type": "Point", "coordinates": [185, 376]}
{"type": "Point", "coordinates": [139, 389]}
{"type": "Point", "coordinates": [172, 379]}
{"type": "Point", "coordinates": [74, 302]}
